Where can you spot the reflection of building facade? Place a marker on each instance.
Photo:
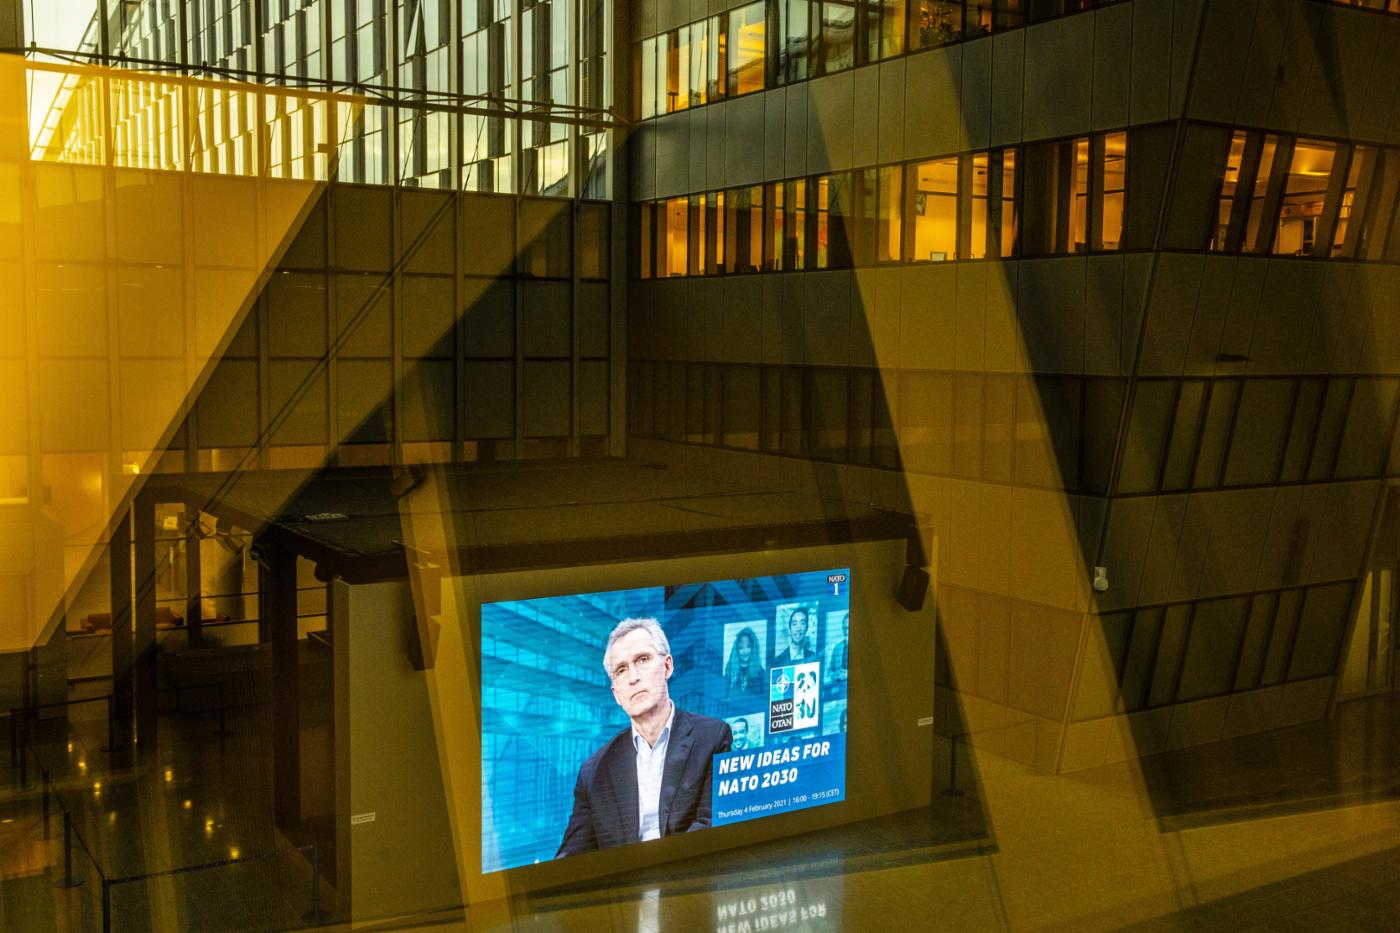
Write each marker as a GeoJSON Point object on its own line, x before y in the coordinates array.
{"type": "Point", "coordinates": [1052, 286]}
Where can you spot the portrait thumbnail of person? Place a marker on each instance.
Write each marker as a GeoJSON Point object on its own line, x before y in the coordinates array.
{"type": "Point", "coordinates": [745, 662]}
{"type": "Point", "coordinates": [838, 633]}
{"type": "Point", "coordinates": [652, 779]}
{"type": "Point", "coordinates": [796, 634]}
{"type": "Point", "coordinates": [748, 732]}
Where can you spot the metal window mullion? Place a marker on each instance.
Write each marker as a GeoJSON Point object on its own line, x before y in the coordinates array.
{"type": "Point", "coordinates": [396, 315]}
{"type": "Point", "coordinates": [1229, 442]}
{"type": "Point", "coordinates": [1273, 198]}
{"type": "Point", "coordinates": [1093, 222]}
{"type": "Point", "coordinates": [1293, 635]}
{"type": "Point", "coordinates": [1326, 228]}
{"type": "Point", "coordinates": [1363, 206]}
{"type": "Point", "coordinates": [1185, 649]}
{"type": "Point", "coordinates": [391, 130]}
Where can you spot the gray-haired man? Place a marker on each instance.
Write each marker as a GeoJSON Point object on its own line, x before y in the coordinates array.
{"type": "Point", "coordinates": [653, 778]}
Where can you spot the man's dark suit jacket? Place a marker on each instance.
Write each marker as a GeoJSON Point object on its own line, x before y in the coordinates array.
{"type": "Point", "coordinates": [605, 794]}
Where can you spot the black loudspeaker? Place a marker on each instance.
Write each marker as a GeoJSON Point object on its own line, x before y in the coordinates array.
{"type": "Point", "coordinates": [913, 587]}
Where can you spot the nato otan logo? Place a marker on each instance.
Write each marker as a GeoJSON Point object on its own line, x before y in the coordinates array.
{"type": "Point", "coordinates": [780, 690]}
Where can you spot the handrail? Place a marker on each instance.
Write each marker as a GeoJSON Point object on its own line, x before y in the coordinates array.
{"type": "Point", "coordinates": [19, 750]}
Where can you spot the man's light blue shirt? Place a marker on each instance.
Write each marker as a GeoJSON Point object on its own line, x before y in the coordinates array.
{"type": "Point", "coordinates": [651, 761]}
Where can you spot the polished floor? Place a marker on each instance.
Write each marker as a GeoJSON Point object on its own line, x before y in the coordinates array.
{"type": "Point", "coordinates": [1297, 829]}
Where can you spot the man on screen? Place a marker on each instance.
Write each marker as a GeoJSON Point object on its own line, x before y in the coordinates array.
{"type": "Point", "coordinates": [653, 778]}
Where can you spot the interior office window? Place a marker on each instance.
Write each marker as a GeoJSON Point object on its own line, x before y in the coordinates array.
{"type": "Point", "coordinates": [674, 238]}
{"type": "Point", "coordinates": [695, 234]}
{"type": "Point", "coordinates": [743, 229]}
{"type": "Point", "coordinates": [715, 242]}
{"type": "Point", "coordinates": [889, 213]}
{"type": "Point", "coordinates": [793, 240]}
{"type": "Point", "coordinates": [791, 40]}
{"type": "Point", "coordinates": [1055, 197]}
{"type": "Point", "coordinates": [774, 226]}
{"type": "Point", "coordinates": [885, 22]}
{"type": "Point", "coordinates": [746, 51]}
{"type": "Point", "coordinates": [1304, 191]}
{"type": "Point", "coordinates": [935, 23]}
{"type": "Point", "coordinates": [677, 70]}
{"type": "Point", "coordinates": [864, 227]}
{"type": "Point", "coordinates": [931, 210]}
{"type": "Point", "coordinates": [697, 57]}
{"type": "Point", "coordinates": [834, 35]}
{"type": "Point", "coordinates": [999, 14]}
{"type": "Point", "coordinates": [1109, 189]}
{"type": "Point", "coordinates": [645, 76]}
{"type": "Point", "coordinates": [646, 240]}
{"type": "Point", "coordinates": [716, 57]}
{"type": "Point", "coordinates": [991, 213]}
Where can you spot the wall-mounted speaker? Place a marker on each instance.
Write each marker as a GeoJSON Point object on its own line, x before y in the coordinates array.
{"type": "Point", "coordinates": [913, 587]}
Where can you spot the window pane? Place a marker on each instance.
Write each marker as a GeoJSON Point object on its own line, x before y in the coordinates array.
{"type": "Point", "coordinates": [892, 15]}
{"type": "Point", "coordinates": [838, 36]}
{"type": "Point", "coordinates": [791, 41]}
{"type": "Point", "coordinates": [933, 215]}
{"type": "Point", "coordinates": [746, 50]}
{"type": "Point", "coordinates": [1303, 196]}
{"type": "Point", "coordinates": [673, 239]}
{"type": "Point", "coordinates": [1115, 160]}
{"type": "Point", "coordinates": [936, 22]}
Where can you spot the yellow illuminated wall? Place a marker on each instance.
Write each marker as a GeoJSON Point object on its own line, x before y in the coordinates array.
{"type": "Point", "coordinates": [139, 216]}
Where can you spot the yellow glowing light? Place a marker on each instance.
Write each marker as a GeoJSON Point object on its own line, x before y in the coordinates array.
{"type": "Point", "coordinates": [82, 765]}
{"type": "Point", "coordinates": [132, 468]}
{"type": "Point", "coordinates": [233, 852]}
{"type": "Point", "coordinates": [187, 804]}
{"type": "Point", "coordinates": [112, 817]}
{"type": "Point", "coordinates": [97, 788]}
{"type": "Point", "coordinates": [169, 775]}
{"type": "Point", "coordinates": [208, 826]}
{"type": "Point", "coordinates": [70, 748]}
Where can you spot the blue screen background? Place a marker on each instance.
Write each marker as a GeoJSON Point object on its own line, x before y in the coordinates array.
{"type": "Point", "coordinates": [547, 705]}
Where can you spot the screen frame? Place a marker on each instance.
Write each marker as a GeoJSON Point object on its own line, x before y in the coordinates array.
{"type": "Point", "coordinates": [875, 567]}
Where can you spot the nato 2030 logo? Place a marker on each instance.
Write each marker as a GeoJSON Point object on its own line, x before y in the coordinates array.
{"type": "Point", "coordinates": [794, 697]}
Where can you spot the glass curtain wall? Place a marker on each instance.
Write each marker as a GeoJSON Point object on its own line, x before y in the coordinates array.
{"type": "Point", "coordinates": [541, 59]}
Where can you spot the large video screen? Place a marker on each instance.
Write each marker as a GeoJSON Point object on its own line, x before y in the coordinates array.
{"type": "Point", "coordinates": [620, 717]}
